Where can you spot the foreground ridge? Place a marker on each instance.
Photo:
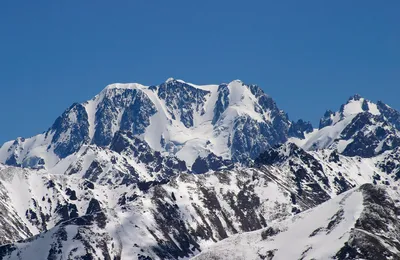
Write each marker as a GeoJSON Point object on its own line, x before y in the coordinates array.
{"type": "Point", "coordinates": [359, 224]}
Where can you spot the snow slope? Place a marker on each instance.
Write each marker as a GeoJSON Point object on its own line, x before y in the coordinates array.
{"type": "Point", "coordinates": [334, 230]}
{"type": "Point", "coordinates": [166, 221]}
{"type": "Point", "coordinates": [187, 214]}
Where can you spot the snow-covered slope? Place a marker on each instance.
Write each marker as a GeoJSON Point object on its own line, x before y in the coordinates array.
{"type": "Point", "coordinates": [359, 224]}
{"type": "Point", "coordinates": [184, 215]}
{"type": "Point", "coordinates": [157, 220]}
{"type": "Point", "coordinates": [34, 201]}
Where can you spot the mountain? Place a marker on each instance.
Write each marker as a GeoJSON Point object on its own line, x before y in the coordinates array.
{"type": "Point", "coordinates": [360, 224]}
{"type": "Point", "coordinates": [232, 121]}
{"type": "Point", "coordinates": [179, 170]}
{"type": "Point", "coordinates": [359, 128]}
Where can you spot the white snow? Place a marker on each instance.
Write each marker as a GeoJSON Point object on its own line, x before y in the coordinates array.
{"type": "Point", "coordinates": [342, 144]}
{"type": "Point", "coordinates": [373, 108]}
{"type": "Point", "coordinates": [353, 107]}
{"type": "Point", "coordinates": [91, 108]}
{"type": "Point", "coordinates": [327, 135]}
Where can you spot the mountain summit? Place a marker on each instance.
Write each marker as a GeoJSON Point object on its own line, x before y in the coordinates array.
{"type": "Point", "coordinates": [233, 121]}
{"type": "Point", "coordinates": [360, 128]}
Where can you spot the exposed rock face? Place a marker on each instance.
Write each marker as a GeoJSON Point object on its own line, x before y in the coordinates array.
{"type": "Point", "coordinates": [299, 128]}
{"type": "Point", "coordinates": [184, 99]}
{"type": "Point", "coordinates": [366, 142]}
{"type": "Point", "coordinates": [211, 163]}
{"type": "Point", "coordinates": [222, 102]}
{"type": "Point", "coordinates": [70, 131]}
{"type": "Point", "coordinates": [326, 120]}
{"type": "Point", "coordinates": [121, 109]}
{"type": "Point", "coordinates": [391, 115]}
{"type": "Point", "coordinates": [250, 138]}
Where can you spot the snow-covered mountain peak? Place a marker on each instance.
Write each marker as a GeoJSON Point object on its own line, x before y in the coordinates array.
{"type": "Point", "coordinates": [233, 121]}
{"type": "Point", "coordinates": [355, 97]}
{"type": "Point", "coordinates": [124, 86]}
{"type": "Point", "coordinates": [357, 104]}
{"type": "Point", "coordinates": [360, 127]}
{"type": "Point", "coordinates": [237, 81]}
{"type": "Point", "coordinates": [172, 80]}
{"type": "Point", "coordinates": [169, 80]}
{"type": "Point", "coordinates": [354, 106]}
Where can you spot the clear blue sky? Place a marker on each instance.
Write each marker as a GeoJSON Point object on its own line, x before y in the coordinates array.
{"type": "Point", "coordinates": [308, 55]}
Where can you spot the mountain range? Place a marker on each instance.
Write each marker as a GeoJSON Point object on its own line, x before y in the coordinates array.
{"type": "Point", "coordinates": [178, 170]}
